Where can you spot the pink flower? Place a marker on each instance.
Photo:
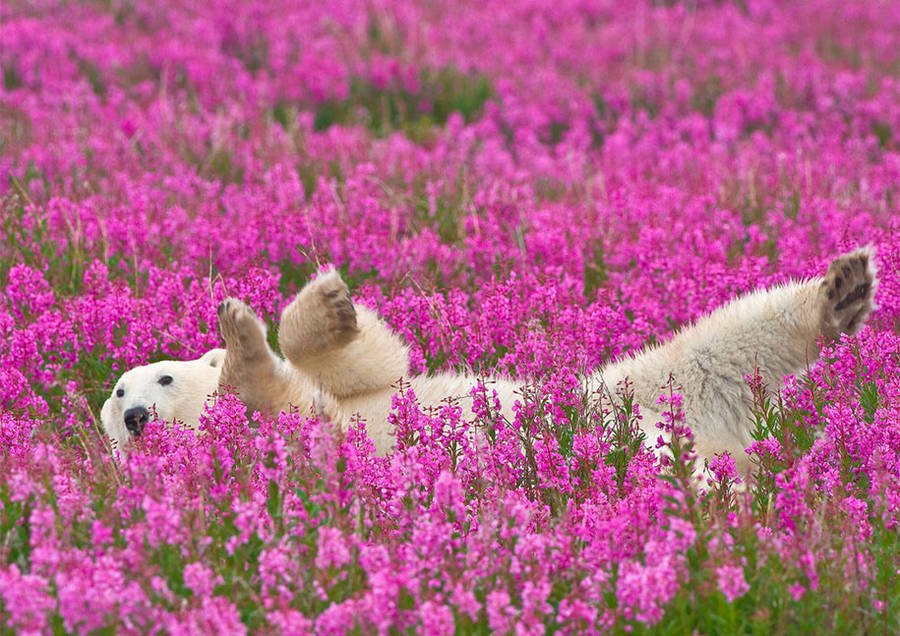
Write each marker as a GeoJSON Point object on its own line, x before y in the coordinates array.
{"type": "Point", "coordinates": [200, 579]}
{"type": "Point", "coordinates": [26, 598]}
{"type": "Point", "coordinates": [724, 469]}
{"type": "Point", "coordinates": [332, 549]}
{"type": "Point", "coordinates": [499, 611]}
{"type": "Point", "coordinates": [643, 590]}
{"type": "Point", "coordinates": [436, 618]}
{"type": "Point", "coordinates": [731, 582]}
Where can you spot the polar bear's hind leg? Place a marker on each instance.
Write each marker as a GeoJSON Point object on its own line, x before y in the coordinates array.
{"type": "Point", "coordinates": [846, 293]}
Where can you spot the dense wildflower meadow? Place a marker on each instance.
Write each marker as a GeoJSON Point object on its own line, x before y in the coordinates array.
{"type": "Point", "coordinates": [520, 188]}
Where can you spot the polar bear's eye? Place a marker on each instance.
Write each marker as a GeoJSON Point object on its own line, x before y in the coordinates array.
{"type": "Point", "coordinates": [165, 380]}
{"type": "Point", "coordinates": [120, 392]}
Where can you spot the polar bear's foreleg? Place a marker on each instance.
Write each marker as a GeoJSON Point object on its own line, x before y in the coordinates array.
{"type": "Point", "coordinates": [348, 350]}
{"type": "Point", "coordinates": [262, 380]}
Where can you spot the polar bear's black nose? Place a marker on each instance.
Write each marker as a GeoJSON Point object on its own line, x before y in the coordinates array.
{"type": "Point", "coordinates": [135, 419]}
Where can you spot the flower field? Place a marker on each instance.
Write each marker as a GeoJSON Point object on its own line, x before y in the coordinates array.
{"type": "Point", "coordinates": [528, 189]}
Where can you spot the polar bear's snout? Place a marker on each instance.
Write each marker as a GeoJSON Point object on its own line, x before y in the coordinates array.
{"type": "Point", "coordinates": [135, 419]}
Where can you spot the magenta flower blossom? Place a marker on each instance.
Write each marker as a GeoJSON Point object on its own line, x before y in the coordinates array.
{"type": "Point", "coordinates": [200, 579]}
{"type": "Point", "coordinates": [731, 582]}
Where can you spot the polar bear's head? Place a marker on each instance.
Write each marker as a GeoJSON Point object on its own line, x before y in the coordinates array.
{"type": "Point", "coordinates": [173, 390]}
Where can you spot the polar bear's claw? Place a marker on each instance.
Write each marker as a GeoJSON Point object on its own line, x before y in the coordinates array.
{"type": "Point", "coordinates": [243, 332]}
{"type": "Point", "coordinates": [341, 315]}
{"type": "Point", "coordinates": [847, 292]}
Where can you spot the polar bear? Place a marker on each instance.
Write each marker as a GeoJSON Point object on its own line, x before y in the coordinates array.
{"type": "Point", "coordinates": [342, 361]}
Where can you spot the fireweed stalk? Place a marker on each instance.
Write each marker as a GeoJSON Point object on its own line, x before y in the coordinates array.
{"type": "Point", "coordinates": [532, 190]}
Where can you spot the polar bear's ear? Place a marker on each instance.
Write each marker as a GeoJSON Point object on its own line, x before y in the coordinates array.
{"type": "Point", "coordinates": [214, 358]}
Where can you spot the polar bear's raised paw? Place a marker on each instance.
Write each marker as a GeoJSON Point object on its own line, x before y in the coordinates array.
{"type": "Point", "coordinates": [321, 318]}
{"type": "Point", "coordinates": [847, 292]}
{"type": "Point", "coordinates": [250, 367]}
{"type": "Point", "coordinates": [340, 313]}
{"type": "Point", "coordinates": [244, 333]}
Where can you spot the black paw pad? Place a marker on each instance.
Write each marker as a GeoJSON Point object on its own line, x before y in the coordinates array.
{"type": "Point", "coordinates": [858, 293]}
